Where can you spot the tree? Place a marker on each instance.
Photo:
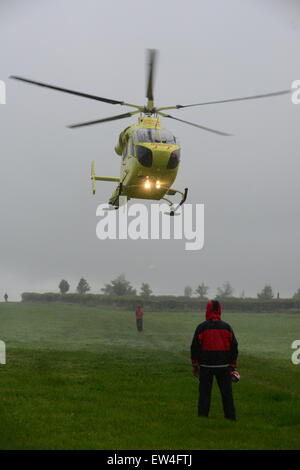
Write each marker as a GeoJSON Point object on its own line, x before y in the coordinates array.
{"type": "Point", "coordinates": [202, 290]}
{"type": "Point", "coordinates": [188, 291]}
{"type": "Point", "coordinates": [63, 286]}
{"type": "Point", "coordinates": [225, 291]}
{"type": "Point", "coordinates": [83, 286]}
{"type": "Point", "coordinates": [119, 286]}
{"type": "Point", "coordinates": [266, 293]}
{"type": "Point", "coordinates": [296, 296]}
{"type": "Point", "coordinates": [145, 290]}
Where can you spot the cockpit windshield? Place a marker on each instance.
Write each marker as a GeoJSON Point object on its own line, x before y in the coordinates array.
{"type": "Point", "coordinates": [154, 135]}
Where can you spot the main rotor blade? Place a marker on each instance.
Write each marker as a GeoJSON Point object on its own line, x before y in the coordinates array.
{"type": "Point", "coordinates": [152, 53]}
{"type": "Point", "coordinates": [65, 90]}
{"type": "Point", "coordinates": [99, 121]}
{"type": "Point", "coordinates": [253, 97]}
{"type": "Point", "coordinates": [195, 125]}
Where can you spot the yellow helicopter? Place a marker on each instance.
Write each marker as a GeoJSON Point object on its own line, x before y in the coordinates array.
{"type": "Point", "coordinates": [150, 153]}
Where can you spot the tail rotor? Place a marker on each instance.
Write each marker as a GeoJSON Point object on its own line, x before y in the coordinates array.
{"type": "Point", "coordinates": [93, 177]}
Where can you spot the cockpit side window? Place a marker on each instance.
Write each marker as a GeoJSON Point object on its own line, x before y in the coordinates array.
{"type": "Point", "coordinates": [174, 160]}
{"type": "Point", "coordinates": [144, 155]}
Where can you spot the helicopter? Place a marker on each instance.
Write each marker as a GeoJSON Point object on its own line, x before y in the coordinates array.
{"type": "Point", "coordinates": [150, 152]}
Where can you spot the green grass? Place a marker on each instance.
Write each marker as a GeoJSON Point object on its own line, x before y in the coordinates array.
{"type": "Point", "coordinates": [84, 378]}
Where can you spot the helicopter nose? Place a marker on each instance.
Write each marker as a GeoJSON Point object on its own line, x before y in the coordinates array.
{"type": "Point", "coordinates": [160, 158]}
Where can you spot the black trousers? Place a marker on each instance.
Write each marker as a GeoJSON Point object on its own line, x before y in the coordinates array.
{"type": "Point", "coordinates": [206, 376]}
{"type": "Point", "coordinates": [139, 324]}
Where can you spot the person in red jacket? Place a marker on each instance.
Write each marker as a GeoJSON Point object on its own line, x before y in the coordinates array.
{"type": "Point", "coordinates": [214, 352]}
{"type": "Point", "coordinates": [139, 313]}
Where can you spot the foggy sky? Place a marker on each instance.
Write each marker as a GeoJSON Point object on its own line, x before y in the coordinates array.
{"type": "Point", "coordinates": [208, 50]}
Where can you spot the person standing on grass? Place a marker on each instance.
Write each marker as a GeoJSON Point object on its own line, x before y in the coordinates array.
{"type": "Point", "coordinates": [214, 351]}
{"type": "Point", "coordinates": [5, 297]}
{"type": "Point", "coordinates": [139, 313]}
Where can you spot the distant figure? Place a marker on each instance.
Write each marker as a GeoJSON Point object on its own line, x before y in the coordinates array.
{"type": "Point", "coordinates": [139, 313]}
{"type": "Point", "coordinates": [214, 352]}
{"type": "Point", "coordinates": [278, 297]}
{"type": "Point", "coordinates": [5, 297]}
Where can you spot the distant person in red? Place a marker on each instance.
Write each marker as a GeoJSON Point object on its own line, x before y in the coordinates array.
{"type": "Point", "coordinates": [5, 297]}
{"type": "Point", "coordinates": [214, 352]}
{"type": "Point", "coordinates": [139, 313]}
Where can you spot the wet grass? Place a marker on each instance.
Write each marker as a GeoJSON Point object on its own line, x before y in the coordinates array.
{"type": "Point", "coordinates": [82, 378]}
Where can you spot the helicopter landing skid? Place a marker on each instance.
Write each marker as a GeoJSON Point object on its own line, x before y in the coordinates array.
{"type": "Point", "coordinates": [113, 208]}
{"type": "Point", "coordinates": [116, 202]}
{"type": "Point", "coordinates": [173, 209]}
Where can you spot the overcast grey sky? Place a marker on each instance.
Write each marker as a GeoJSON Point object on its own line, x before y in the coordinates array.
{"type": "Point", "coordinates": [209, 50]}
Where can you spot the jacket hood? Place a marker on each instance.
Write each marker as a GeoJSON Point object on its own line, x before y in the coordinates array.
{"type": "Point", "coordinates": [213, 310]}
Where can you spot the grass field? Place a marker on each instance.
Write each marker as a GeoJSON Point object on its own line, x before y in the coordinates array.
{"type": "Point", "coordinates": [83, 378]}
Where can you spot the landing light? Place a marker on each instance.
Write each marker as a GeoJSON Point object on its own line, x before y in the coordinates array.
{"type": "Point", "coordinates": [157, 184]}
{"type": "Point", "coordinates": [147, 185]}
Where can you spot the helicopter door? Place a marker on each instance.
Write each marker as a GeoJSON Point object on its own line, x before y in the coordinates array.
{"type": "Point", "coordinates": [130, 148]}
{"type": "Point", "coordinates": [125, 152]}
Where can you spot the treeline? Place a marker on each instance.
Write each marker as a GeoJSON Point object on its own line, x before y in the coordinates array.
{"type": "Point", "coordinates": [120, 294]}
{"type": "Point", "coordinates": [121, 287]}
{"type": "Point", "coordinates": [165, 303]}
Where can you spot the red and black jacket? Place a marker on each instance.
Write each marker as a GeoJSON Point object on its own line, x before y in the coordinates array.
{"type": "Point", "coordinates": [214, 343]}
{"type": "Point", "coordinates": [139, 313]}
